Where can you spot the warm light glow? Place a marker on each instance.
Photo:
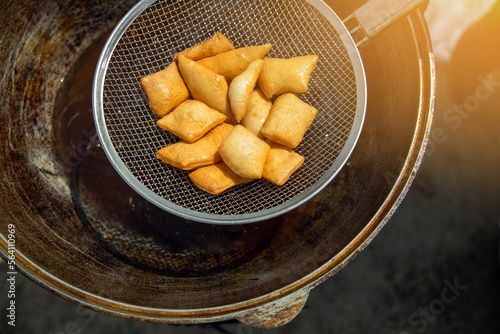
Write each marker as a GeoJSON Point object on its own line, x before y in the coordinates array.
{"type": "Point", "coordinates": [449, 19]}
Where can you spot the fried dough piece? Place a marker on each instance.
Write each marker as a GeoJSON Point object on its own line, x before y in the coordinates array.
{"type": "Point", "coordinates": [257, 111]}
{"type": "Point", "coordinates": [241, 87]}
{"type": "Point", "coordinates": [211, 47]}
{"type": "Point", "coordinates": [281, 163]}
{"type": "Point", "coordinates": [165, 90]}
{"type": "Point", "coordinates": [201, 153]}
{"type": "Point", "coordinates": [244, 153]}
{"type": "Point", "coordinates": [286, 75]}
{"type": "Point", "coordinates": [288, 120]}
{"type": "Point", "coordinates": [191, 120]}
{"type": "Point", "coordinates": [232, 63]}
{"type": "Point", "coordinates": [216, 179]}
{"type": "Point", "coordinates": [206, 86]}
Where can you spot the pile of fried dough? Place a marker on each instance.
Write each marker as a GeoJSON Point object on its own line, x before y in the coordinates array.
{"type": "Point", "coordinates": [231, 131]}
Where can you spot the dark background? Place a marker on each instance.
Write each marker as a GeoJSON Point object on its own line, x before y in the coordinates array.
{"type": "Point", "coordinates": [433, 269]}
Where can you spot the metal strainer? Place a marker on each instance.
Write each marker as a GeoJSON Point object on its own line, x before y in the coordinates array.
{"type": "Point", "coordinates": [145, 42]}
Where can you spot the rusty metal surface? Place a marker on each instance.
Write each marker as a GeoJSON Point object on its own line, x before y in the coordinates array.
{"type": "Point", "coordinates": [276, 313]}
{"type": "Point", "coordinates": [63, 226]}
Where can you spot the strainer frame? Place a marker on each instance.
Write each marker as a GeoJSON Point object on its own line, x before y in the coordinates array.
{"type": "Point", "coordinates": [189, 214]}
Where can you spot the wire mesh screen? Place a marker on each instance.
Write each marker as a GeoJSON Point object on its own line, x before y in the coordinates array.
{"type": "Point", "coordinates": [293, 27]}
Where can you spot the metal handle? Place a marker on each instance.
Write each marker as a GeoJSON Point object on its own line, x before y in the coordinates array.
{"type": "Point", "coordinates": [375, 15]}
{"type": "Point", "coordinates": [277, 313]}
